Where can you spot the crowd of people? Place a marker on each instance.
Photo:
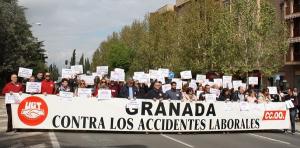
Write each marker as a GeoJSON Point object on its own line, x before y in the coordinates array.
{"type": "Point", "coordinates": [134, 89]}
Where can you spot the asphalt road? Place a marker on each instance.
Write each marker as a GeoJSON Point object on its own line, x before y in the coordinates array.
{"type": "Point", "coordinates": [37, 139]}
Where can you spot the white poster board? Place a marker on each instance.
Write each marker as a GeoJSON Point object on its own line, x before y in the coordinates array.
{"type": "Point", "coordinates": [12, 98]}
{"type": "Point", "coordinates": [33, 87]}
{"type": "Point", "coordinates": [102, 70]}
{"type": "Point", "coordinates": [25, 72]}
{"type": "Point", "coordinates": [78, 69]}
{"type": "Point", "coordinates": [84, 92]}
{"type": "Point", "coordinates": [104, 94]}
{"type": "Point", "coordinates": [253, 80]}
{"type": "Point", "coordinates": [273, 90]}
{"type": "Point", "coordinates": [186, 74]}
{"type": "Point", "coordinates": [68, 73]}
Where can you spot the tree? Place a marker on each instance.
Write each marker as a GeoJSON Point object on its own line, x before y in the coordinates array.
{"type": "Point", "coordinates": [87, 65]}
{"type": "Point", "coordinates": [81, 60]}
{"type": "Point", "coordinates": [73, 58]}
{"type": "Point", "coordinates": [53, 70]}
{"type": "Point", "coordinates": [19, 48]}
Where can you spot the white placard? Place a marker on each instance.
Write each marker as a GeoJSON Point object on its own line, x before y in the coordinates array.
{"type": "Point", "coordinates": [227, 82]}
{"type": "Point", "coordinates": [25, 72]}
{"type": "Point", "coordinates": [244, 106]}
{"type": "Point", "coordinates": [119, 70]}
{"type": "Point", "coordinates": [273, 90]}
{"type": "Point", "coordinates": [186, 74]}
{"type": "Point", "coordinates": [253, 80]}
{"type": "Point", "coordinates": [13, 98]}
{"type": "Point", "coordinates": [178, 83]}
{"type": "Point", "coordinates": [166, 87]}
{"type": "Point", "coordinates": [193, 85]}
{"type": "Point", "coordinates": [200, 78]}
{"type": "Point", "coordinates": [117, 76]}
{"type": "Point", "coordinates": [84, 92]}
{"type": "Point", "coordinates": [237, 84]}
{"type": "Point", "coordinates": [78, 69]}
{"type": "Point", "coordinates": [33, 87]}
{"type": "Point", "coordinates": [133, 104]}
{"type": "Point", "coordinates": [164, 72]}
{"type": "Point", "coordinates": [65, 94]}
{"type": "Point", "coordinates": [218, 82]}
{"type": "Point", "coordinates": [104, 94]}
{"type": "Point", "coordinates": [67, 73]}
{"type": "Point", "coordinates": [102, 70]}
{"type": "Point", "coordinates": [89, 80]}
{"type": "Point", "coordinates": [210, 97]}
{"type": "Point", "coordinates": [289, 104]}
{"type": "Point", "coordinates": [215, 91]}
{"type": "Point", "coordinates": [155, 74]}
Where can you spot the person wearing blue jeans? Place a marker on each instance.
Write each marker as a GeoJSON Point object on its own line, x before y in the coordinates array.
{"type": "Point", "coordinates": [293, 111]}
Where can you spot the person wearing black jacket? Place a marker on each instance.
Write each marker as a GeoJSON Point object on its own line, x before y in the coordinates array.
{"type": "Point", "coordinates": [225, 95]}
{"type": "Point", "coordinates": [156, 92]}
{"type": "Point", "coordinates": [239, 95]}
{"type": "Point", "coordinates": [293, 111]}
{"type": "Point", "coordinates": [129, 90]}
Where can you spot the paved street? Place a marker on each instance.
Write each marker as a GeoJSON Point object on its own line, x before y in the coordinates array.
{"type": "Point", "coordinates": [81, 139]}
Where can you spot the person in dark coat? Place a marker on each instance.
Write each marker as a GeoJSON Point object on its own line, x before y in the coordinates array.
{"type": "Point", "coordinates": [225, 95]}
{"type": "Point", "coordinates": [156, 92]}
{"type": "Point", "coordinates": [128, 90]}
{"type": "Point", "coordinates": [239, 95]}
{"type": "Point", "coordinates": [206, 91]}
{"type": "Point", "coordinates": [293, 110]}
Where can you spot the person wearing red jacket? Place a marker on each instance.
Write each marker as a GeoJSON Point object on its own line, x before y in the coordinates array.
{"type": "Point", "coordinates": [11, 87]}
{"type": "Point", "coordinates": [48, 86]}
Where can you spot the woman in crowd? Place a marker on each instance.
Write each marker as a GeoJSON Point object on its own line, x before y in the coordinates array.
{"type": "Point", "coordinates": [264, 96]}
{"type": "Point", "coordinates": [81, 84]}
{"type": "Point", "coordinates": [251, 98]}
{"type": "Point", "coordinates": [189, 95]}
{"type": "Point", "coordinates": [99, 86]}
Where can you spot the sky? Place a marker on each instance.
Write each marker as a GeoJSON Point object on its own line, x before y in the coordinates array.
{"type": "Point", "coordinates": [82, 24]}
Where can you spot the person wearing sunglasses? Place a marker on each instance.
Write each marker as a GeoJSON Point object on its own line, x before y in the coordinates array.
{"type": "Point", "coordinates": [101, 85]}
{"type": "Point", "coordinates": [48, 86]}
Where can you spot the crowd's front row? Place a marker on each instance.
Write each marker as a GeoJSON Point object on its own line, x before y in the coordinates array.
{"type": "Point", "coordinates": [134, 89]}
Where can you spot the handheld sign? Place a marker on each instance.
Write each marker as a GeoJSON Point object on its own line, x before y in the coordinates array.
{"type": "Point", "coordinates": [33, 87]}
{"type": "Point", "coordinates": [13, 98]}
{"type": "Point", "coordinates": [200, 78]}
{"type": "Point", "coordinates": [77, 68]}
{"type": "Point", "coordinates": [218, 82]}
{"type": "Point", "coordinates": [227, 82]}
{"type": "Point", "coordinates": [210, 97]}
{"type": "Point", "coordinates": [164, 72]}
{"type": "Point", "coordinates": [25, 72]}
{"type": "Point", "coordinates": [89, 80]}
{"type": "Point", "coordinates": [289, 104]}
{"type": "Point", "coordinates": [272, 90]}
{"type": "Point", "coordinates": [84, 92]}
{"type": "Point", "coordinates": [178, 83]}
{"type": "Point", "coordinates": [65, 94]}
{"type": "Point", "coordinates": [104, 94]}
{"type": "Point", "coordinates": [237, 84]}
{"type": "Point", "coordinates": [186, 74]}
{"type": "Point", "coordinates": [67, 73]}
{"type": "Point", "coordinates": [166, 87]}
{"type": "Point", "coordinates": [102, 70]}
{"type": "Point", "coordinates": [253, 80]}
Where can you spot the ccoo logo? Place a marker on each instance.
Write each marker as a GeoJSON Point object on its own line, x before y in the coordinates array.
{"type": "Point", "coordinates": [33, 111]}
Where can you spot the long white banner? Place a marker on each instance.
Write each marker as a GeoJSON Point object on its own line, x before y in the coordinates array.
{"type": "Point", "coordinates": [54, 112]}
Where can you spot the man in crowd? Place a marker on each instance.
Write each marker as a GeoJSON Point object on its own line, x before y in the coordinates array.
{"type": "Point", "coordinates": [173, 93]}
{"type": "Point", "coordinates": [156, 92]}
{"type": "Point", "coordinates": [48, 86]}
{"type": "Point", "coordinates": [11, 87]}
{"type": "Point", "coordinates": [206, 91]}
{"type": "Point", "coordinates": [129, 90]}
{"type": "Point", "coordinates": [39, 77]}
{"type": "Point", "coordinates": [293, 110]}
{"type": "Point", "coordinates": [239, 95]}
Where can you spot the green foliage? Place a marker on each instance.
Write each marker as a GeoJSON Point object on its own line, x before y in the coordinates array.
{"type": "Point", "coordinates": [73, 58]}
{"type": "Point", "coordinates": [202, 36]}
{"type": "Point", "coordinates": [53, 70]}
{"type": "Point", "coordinates": [18, 47]}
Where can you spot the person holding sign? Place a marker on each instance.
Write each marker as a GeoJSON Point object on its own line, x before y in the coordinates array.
{"type": "Point", "coordinates": [251, 98]}
{"type": "Point", "coordinates": [39, 77]}
{"type": "Point", "coordinates": [239, 95]}
{"type": "Point", "coordinates": [205, 91]}
{"type": "Point", "coordinates": [102, 85]}
{"type": "Point", "coordinates": [225, 95]}
{"type": "Point", "coordinates": [64, 86]}
{"type": "Point", "coordinates": [293, 109]}
{"type": "Point", "coordinates": [48, 86]}
{"type": "Point", "coordinates": [129, 90]}
{"type": "Point", "coordinates": [173, 93]}
{"type": "Point", "coordinates": [11, 87]}
{"type": "Point", "coordinates": [80, 85]}
{"type": "Point", "coordinates": [189, 95]}
{"type": "Point", "coordinates": [156, 92]}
